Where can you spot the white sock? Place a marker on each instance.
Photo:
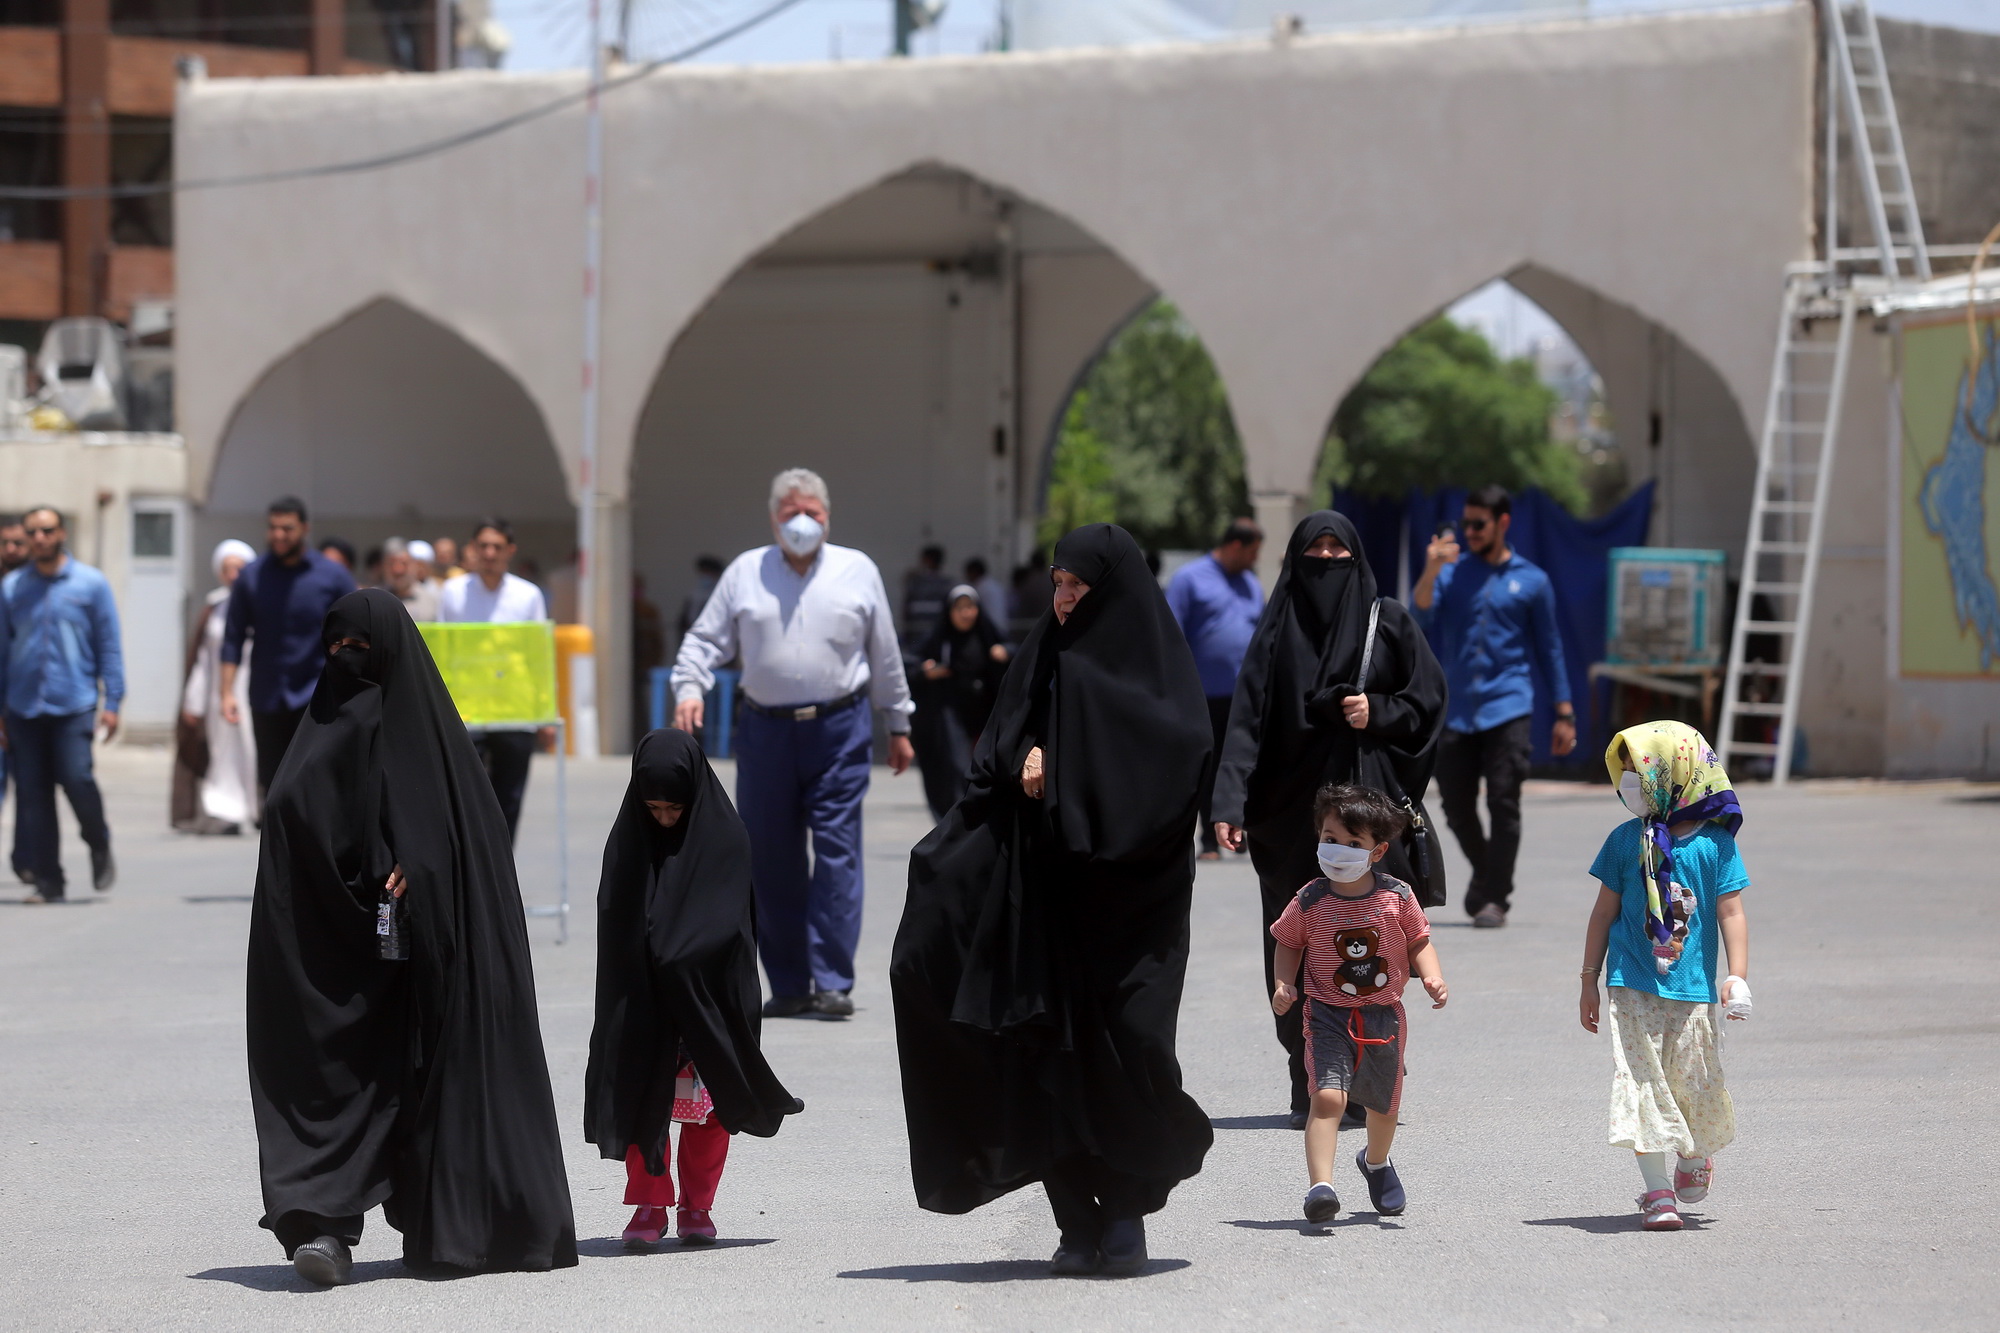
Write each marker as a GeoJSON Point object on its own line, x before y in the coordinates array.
{"type": "Point", "coordinates": [1317, 1183]}
{"type": "Point", "coordinates": [1689, 1163]}
{"type": "Point", "coordinates": [1653, 1166]}
{"type": "Point", "coordinates": [1372, 1166]}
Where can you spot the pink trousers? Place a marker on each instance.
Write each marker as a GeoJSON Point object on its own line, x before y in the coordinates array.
{"type": "Point", "coordinates": [704, 1148]}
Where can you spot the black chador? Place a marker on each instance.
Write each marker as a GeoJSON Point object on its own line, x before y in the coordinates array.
{"type": "Point", "coordinates": [1038, 969]}
{"type": "Point", "coordinates": [419, 1084]}
{"type": "Point", "coordinates": [1288, 734]}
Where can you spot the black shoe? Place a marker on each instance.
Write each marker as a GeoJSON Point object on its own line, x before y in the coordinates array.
{"type": "Point", "coordinates": [1299, 1118]}
{"type": "Point", "coordinates": [325, 1262]}
{"type": "Point", "coordinates": [1124, 1246]}
{"type": "Point", "coordinates": [103, 870]}
{"type": "Point", "coordinates": [1490, 917]}
{"type": "Point", "coordinates": [1322, 1204]}
{"type": "Point", "coordinates": [787, 1006]}
{"type": "Point", "coordinates": [1354, 1117]}
{"type": "Point", "coordinates": [833, 1004]}
{"type": "Point", "coordinates": [1385, 1187]}
{"type": "Point", "coordinates": [1075, 1260]}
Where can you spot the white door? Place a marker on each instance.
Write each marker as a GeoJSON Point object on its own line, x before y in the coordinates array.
{"type": "Point", "coordinates": [154, 614]}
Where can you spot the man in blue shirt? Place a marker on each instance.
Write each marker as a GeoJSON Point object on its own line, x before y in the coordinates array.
{"type": "Point", "coordinates": [1217, 601]}
{"type": "Point", "coordinates": [58, 641]}
{"type": "Point", "coordinates": [1494, 622]}
{"type": "Point", "coordinates": [280, 599]}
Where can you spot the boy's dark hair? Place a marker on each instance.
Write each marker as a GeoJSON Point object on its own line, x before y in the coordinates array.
{"type": "Point", "coordinates": [1360, 810]}
{"type": "Point", "coordinates": [288, 504]}
{"type": "Point", "coordinates": [498, 524]}
{"type": "Point", "coordinates": [1493, 499]}
{"type": "Point", "coordinates": [1241, 532]}
{"type": "Point", "coordinates": [707, 564]}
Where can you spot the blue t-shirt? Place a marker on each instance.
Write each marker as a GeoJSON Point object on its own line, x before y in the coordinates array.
{"type": "Point", "coordinates": [1218, 613]}
{"type": "Point", "coordinates": [1707, 864]}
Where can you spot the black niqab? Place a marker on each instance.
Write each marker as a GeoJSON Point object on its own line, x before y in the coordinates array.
{"type": "Point", "coordinates": [422, 1084]}
{"type": "Point", "coordinates": [676, 962]}
{"type": "Point", "coordinates": [1037, 973]}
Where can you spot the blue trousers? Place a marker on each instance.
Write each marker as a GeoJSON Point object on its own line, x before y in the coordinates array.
{"type": "Point", "coordinates": [793, 778]}
{"type": "Point", "coordinates": [46, 752]}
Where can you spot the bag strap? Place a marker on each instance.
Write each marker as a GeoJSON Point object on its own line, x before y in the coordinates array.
{"type": "Point", "coordinates": [1368, 647]}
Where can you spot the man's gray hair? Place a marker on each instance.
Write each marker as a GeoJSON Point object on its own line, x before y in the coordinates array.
{"type": "Point", "coordinates": [395, 546]}
{"type": "Point", "coordinates": [803, 480]}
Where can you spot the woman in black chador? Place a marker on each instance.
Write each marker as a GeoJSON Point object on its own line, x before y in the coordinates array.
{"type": "Point", "coordinates": [416, 1082]}
{"type": "Point", "coordinates": [1037, 972]}
{"type": "Point", "coordinates": [1322, 699]}
{"type": "Point", "coordinates": [677, 995]}
{"type": "Point", "coordinates": [957, 673]}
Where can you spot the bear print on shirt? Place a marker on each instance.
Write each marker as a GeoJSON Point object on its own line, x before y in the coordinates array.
{"type": "Point", "coordinates": [1361, 970]}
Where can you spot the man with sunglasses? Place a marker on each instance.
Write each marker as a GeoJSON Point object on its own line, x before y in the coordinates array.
{"type": "Point", "coordinates": [58, 645]}
{"type": "Point", "coordinates": [1494, 621]}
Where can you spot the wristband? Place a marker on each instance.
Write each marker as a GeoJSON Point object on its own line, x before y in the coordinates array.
{"type": "Point", "coordinates": [1588, 972]}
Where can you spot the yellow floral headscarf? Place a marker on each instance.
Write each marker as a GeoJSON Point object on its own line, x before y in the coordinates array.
{"type": "Point", "coordinates": [1683, 781]}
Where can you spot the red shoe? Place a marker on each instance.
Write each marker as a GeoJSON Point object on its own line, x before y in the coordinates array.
{"type": "Point", "coordinates": [648, 1225]}
{"type": "Point", "coordinates": [1657, 1212]}
{"type": "Point", "coordinates": [695, 1227]}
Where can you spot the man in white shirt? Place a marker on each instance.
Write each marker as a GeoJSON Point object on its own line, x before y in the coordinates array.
{"type": "Point", "coordinates": [489, 593]}
{"type": "Point", "coordinates": [813, 626]}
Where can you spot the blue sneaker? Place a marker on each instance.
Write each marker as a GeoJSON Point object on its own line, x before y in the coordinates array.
{"type": "Point", "coordinates": [1321, 1203]}
{"type": "Point", "coordinates": [1385, 1187]}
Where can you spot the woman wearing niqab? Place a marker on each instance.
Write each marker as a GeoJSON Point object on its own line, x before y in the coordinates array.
{"type": "Point", "coordinates": [957, 672]}
{"type": "Point", "coordinates": [1038, 969]}
{"type": "Point", "coordinates": [678, 1001]}
{"type": "Point", "coordinates": [1293, 728]}
{"type": "Point", "coordinates": [419, 1084]}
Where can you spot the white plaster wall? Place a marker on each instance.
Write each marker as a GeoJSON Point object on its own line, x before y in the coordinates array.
{"type": "Point", "coordinates": [1303, 205]}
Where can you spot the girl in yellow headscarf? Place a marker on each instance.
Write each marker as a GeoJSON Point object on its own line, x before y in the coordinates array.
{"type": "Point", "coordinates": [1671, 884]}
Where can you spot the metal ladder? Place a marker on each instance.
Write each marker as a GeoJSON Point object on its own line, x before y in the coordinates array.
{"type": "Point", "coordinates": [1787, 521]}
{"type": "Point", "coordinates": [1854, 46]}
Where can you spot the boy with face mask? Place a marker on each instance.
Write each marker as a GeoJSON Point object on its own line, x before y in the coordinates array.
{"type": "Point", "coordinates": [1361, 936]}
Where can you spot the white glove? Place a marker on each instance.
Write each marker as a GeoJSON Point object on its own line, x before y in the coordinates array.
{"type": "Point", "coordinates": [1738, 1005]}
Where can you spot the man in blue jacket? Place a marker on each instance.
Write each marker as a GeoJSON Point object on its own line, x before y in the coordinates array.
{"type": "Point", "coordinates": [1493, 621]}
{"type": "Point", "coordinates": [1217, 601]}
{"type": "Point", "coordinates": [58, 644]}
{"type": "Point", "coordinates": [280, 600]}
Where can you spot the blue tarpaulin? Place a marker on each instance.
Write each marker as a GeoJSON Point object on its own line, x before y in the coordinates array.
{"type": "Point", "coordinates": [1574, 552]}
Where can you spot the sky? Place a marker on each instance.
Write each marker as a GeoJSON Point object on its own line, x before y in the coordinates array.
{"type": "Point", "coordinates": [552, 34]}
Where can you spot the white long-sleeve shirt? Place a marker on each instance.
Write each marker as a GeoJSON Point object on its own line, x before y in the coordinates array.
{"type": "Point", "coordinates": [803, 639]}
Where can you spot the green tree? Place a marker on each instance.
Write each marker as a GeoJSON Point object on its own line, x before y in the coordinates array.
{"type": "Point", "coordinates": [1147, 441]}
{"type": "Point", "coordinates": [1442, 409]}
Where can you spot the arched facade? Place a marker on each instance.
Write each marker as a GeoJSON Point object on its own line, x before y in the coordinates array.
{"type": "Point", "coordinates": [1302, 202]}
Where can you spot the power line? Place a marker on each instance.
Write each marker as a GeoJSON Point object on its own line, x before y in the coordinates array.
{"type": "Point", "coordinates": [401, 155]}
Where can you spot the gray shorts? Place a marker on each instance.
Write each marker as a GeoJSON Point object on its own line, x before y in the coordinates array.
{"type": "Point", "coordinates": [1358, 1051]}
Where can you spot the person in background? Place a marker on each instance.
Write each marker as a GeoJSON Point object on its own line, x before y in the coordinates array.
{"type": "Point", "coordinates": [925, 589]}
{"type": "Point", "coordinates": [813, 624]}
{"type": "Point", "coordinates": [446, 565]}
{"type": "Point", "coordinates": [707, 572]}
{"type": "Point", "coordinates": [489, 593]}
{"type": "Point", "coordinates": [424, 557]}
{"type": "Point", "coordinates": [419, 596]}
{"type": "Point", "coordinates": [58, 645]}
{"type": "Point", "coordinates": [1217, 600]}
{"type": "Point", "coordinates": [370, 575]}
{"type": "Point", "coordinates": [340, 551]}
{"type": "Point", "coordinates": [959, 667]}
{"type": "Point", "coordinates": [1494, 621]}
{"type": "Point", "coordinates": [215, 762]}
{"type": "Point", "coordinates": [649, 650]}
{"type": "Point", "coordinates": [280, 599]}
{"type": "Point", "coordinates": [994, 599]}
{"type": "Point", "coordinates": [13, 546]}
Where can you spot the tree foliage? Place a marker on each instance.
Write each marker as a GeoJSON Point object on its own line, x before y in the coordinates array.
{"type": "Point", "coordinates": [1442, 409]}
{"type": "Point", "coordinates": [1147, 441]}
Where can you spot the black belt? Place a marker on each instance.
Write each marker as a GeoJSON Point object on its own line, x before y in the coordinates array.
{"type": "Point", "coordinates": [807, 712]}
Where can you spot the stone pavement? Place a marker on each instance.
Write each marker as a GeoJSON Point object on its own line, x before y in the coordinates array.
{"type": "Point", "coordinates": [1862, 1193]}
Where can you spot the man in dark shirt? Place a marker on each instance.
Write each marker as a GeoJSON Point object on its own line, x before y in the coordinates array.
{"type": "Point", "coordinates": [280, 600]}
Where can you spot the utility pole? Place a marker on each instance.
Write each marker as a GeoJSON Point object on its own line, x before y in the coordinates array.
{"type": "Point", "coordinates": [905, 25]}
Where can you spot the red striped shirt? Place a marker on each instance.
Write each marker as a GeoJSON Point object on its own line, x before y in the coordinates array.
{"type": "Point", "coordinates": [1357, 949]}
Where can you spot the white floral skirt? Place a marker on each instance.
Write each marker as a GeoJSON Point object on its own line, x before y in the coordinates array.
{"type": "Point", "coordinates": [1667, 1093]}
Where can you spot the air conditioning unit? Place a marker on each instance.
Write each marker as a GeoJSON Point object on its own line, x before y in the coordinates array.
{"type": "Point", "coordinates": [82, 365]}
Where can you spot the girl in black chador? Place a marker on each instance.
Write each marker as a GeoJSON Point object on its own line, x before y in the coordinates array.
{"type": "Point", "coordinates": [395, 1052]}
{"type": "Point", "coordinates": [676, 1039]}
{"type": "Point", "coordinates": [1037, 973]}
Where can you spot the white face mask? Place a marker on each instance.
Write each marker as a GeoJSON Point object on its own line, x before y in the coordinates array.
{"type": "Point", "coordinates": [1344, 864]}
{"type": "Point", "coordinates": [1632, 792]}
{"type": "Point", "coordinates": [801, 534]}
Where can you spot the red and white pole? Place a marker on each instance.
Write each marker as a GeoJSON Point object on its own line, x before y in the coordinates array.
{"type": "Point", "coordinates": [593, 257]}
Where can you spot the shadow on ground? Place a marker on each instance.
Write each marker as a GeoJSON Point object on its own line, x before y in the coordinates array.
{"type": "Point", "coordinates": [997, 1270]}
{"type": "Point", "coordinates": [614, 1247]}
{"type": "Point", "coordinates": [1607, 1226]}
{"type": "Point", "coordinates": [1305, 1228]}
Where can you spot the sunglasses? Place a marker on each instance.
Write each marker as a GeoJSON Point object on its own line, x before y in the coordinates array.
{"type": "Point", "coordinates": [1475, 524]}
{"type": "Point", "coordinates": [41, 532]}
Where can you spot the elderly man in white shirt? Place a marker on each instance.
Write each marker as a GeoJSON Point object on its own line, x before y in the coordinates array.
{"type": "Point", "coordinates": [490, 594]}
{"type": "Point", "coordinates": [818, 641]}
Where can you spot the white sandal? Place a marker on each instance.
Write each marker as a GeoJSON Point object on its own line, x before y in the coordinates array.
{"type": "Point", "coordinates": [1657, 1212]}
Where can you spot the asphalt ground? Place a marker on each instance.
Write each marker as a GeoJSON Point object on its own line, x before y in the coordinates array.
{"type": "Point", "coordinates": [1861, 1193]}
